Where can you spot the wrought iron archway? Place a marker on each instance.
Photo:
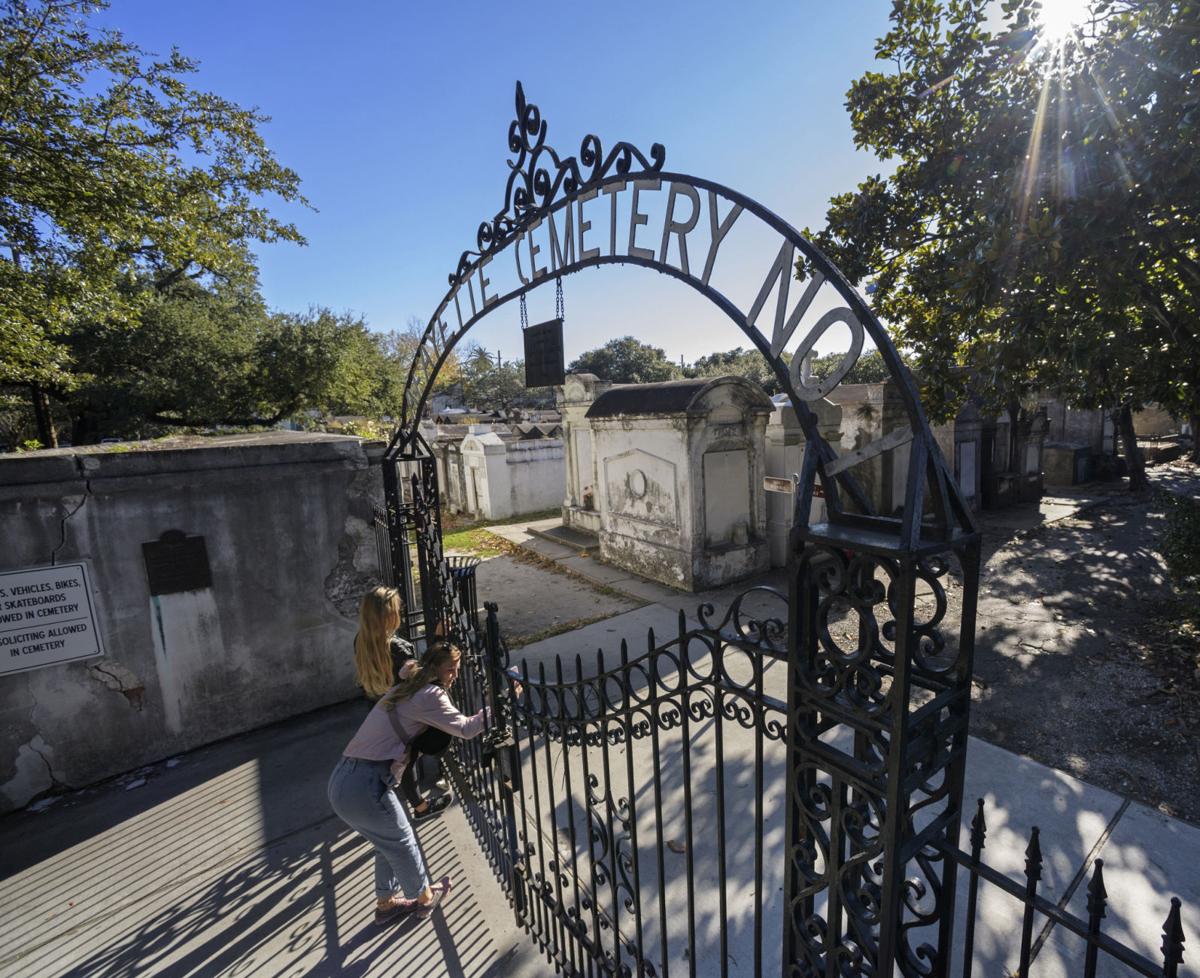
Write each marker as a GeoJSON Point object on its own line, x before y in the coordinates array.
{"type": "Point", "coordinates": [875, 720]}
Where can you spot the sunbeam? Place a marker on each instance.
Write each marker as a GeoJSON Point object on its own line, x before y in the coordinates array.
{"type": "Point", "coordinates": [1060, 19]}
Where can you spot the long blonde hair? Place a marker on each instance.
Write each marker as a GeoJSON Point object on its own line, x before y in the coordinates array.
{"type": "Point", "coordinates": [378, 618]}
{"type": "Point", "coordinates": [436, 657]}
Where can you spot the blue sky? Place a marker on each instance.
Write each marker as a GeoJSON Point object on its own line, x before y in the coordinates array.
{"type": "Point", "coordinates": [395, 116]}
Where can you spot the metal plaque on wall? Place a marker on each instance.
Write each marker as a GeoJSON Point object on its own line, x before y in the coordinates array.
{"type": "Point", "coordinates": [544, 354]}
{"type": "Point", "coordinates": [176, 562]}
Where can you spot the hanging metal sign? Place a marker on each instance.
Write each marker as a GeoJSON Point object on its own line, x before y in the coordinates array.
{"type": "Point", "coordinates": [47, 616]}
{"type": "Point", "coordinates": [544, 354]}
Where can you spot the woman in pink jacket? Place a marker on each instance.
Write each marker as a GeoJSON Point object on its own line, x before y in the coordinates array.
{"type": "Point", "coordinates": [360, 788]}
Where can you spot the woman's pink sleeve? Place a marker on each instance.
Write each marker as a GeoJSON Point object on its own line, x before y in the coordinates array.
{"type": "Point", "coordinates": [438, 711]}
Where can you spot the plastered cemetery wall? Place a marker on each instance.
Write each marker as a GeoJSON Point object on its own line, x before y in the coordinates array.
{"type": "Point", "coordinates": [286, 524]}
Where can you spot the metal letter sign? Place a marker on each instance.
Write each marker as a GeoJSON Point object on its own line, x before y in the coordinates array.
{"type": "Point", "coordinates": [47, 616]}
{"type": "Point", "coordinates": [873, 732]}
{"type": "Point", "coordinates": [544, 354]}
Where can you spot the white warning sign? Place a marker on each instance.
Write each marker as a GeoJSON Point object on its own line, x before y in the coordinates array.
{"type": "Point", "coordinates": [47, 616]}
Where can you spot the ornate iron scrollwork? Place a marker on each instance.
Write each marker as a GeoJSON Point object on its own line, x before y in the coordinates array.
{"type": "Point", "coordinates": [539, 173]}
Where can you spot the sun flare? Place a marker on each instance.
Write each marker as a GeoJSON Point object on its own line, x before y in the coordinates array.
{"type": "Point", "coordinates": [1059, 19]}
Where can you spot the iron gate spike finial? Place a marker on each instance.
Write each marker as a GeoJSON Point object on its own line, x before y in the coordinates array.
{"type": "Point", "coordinates": [1172, 943]}
{"type": "Point", "coordinates": [539, 176]}
{"type": "Point", "coordinates": [978, 828]}
{"type": "Point", "coordinates": [1033, 856]}
{"type": "Point", "coordinates": [1097, 894]}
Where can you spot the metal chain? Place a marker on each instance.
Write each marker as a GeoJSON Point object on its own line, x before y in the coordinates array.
{"type": "Point", "coordinates": [524, 313]}
{"type": "Point", "coordinates": [558, 299]}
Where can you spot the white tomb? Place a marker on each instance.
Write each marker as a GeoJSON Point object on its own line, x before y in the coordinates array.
{"type": "Point", "coordinates": [670, 476]}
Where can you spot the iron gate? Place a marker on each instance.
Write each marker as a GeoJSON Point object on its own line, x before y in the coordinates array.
{"type": "Point", "coordinates": [631, 804]}
{"type": "Point", "coordinates": [761, 791]}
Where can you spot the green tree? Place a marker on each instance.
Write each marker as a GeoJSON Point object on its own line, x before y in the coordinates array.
{"type": "Point", "coordinates": [870, 368]}
{"type": "Point", "coordinates": [490, 386]}
{"type": "Point", "coordinates": [1040, 223]}
{"type": "Point", "coordinates": [215, 357]}
{"type": "Point", "coordinates": [739, 363]}
{"type": "Point", "coordinates": [117, 180]}
{"type": "Point", "coordinates": [626, 361]}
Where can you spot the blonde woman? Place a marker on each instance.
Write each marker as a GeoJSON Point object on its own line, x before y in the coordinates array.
{"type": "Point", "coordinates": [379, 653]}
{"type": "Point", "coordinates": [381, 658]}
{"type": "Point", "coordinates": [360, 788]}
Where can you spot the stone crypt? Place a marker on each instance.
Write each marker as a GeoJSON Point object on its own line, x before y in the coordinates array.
{"type": "Point", "coordinates": [670, 476]}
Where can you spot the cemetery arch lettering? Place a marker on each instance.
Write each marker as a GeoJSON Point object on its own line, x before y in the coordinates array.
{"type": "Point", "coordinates": [871, 719]}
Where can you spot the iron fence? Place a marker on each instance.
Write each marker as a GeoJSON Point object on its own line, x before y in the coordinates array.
{"type": "Point", "coordinates": [630, 807]}
{"type": "Point", "coordinates": [1098, 954]}
{"type": "Point", "coordinates": [647, 798]}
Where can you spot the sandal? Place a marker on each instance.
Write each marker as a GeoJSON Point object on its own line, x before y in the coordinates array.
{"type": "Point", "coordinates": [441, 890]}
{"type": "Point", "coordinates": [435, 807]}
{"type": "Point", "coordinates": [390, 914]}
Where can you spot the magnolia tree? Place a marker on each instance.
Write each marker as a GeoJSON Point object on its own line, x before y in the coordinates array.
{"type": "Point", "coordinates": [1039, 225]}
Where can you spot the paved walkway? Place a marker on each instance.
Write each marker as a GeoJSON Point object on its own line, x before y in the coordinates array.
{"type": "Point", "coordinates": [231, 863]}
{"type": "Point", "coordinates": [1074, 599]}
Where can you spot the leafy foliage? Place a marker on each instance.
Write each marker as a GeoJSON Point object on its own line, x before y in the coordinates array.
{"type": "Point", "coordinates": [626, 361]}
{"type": "Point", "coordinates": [490, 386]}
{"type": "Point", "coordinates": [870, 368]}
{"type": "Point", "coordinates": [117, 181]}
{"type": "Point", "coordinates": [206, 358]}
{"type": "Point", "coordinates": [1040, 224]}
{"type": "Point", "coordinates": [1180, 542]}
{"type": "Point", "coordinates": [737, 362]}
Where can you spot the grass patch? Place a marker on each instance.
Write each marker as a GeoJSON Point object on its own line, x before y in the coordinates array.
{"type": "Point", "coordinates": [453, 522]}
{"type": "Point", "coordinates": [474, 540]}
{"type": "Point", "coordinates": [471, 536]}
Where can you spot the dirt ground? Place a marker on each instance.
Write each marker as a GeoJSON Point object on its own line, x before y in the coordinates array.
{"type": "Point", "coordinates": [1081, 662]}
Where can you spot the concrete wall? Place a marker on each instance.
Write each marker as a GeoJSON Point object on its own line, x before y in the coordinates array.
{"type": "Point", "coordinates": [536, 474]}
{"type": "Point", "coordinates": [580, 504]}
{"type": "Point", "coordinates": [645, 497]}
{"type": "Point", "coordinates": [785, 444]}
{"type": "Point", "coordinates": [1076, 426]}
{"type": "Point", "coordinates": [286, 520]}
{"type": "Point", "coordinates": [862, 423]}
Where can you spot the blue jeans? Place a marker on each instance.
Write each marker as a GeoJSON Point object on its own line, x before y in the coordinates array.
{"type": "Point", "coordinates": [361, 795]}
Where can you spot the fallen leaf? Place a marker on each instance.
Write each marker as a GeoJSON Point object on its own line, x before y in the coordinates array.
{"type": "Point", "coordinates": [676, 846]}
